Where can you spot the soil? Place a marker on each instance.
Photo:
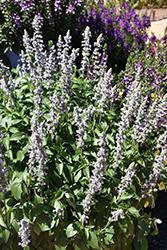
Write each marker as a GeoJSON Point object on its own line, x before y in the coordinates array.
{"type": "Point", "coordinates": [159, 242]}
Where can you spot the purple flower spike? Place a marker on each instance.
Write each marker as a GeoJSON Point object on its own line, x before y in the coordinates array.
{"type": "Point", "coordinates": [24, 233]}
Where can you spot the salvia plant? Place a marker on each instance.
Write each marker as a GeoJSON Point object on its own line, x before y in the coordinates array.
{"type": "Point", "coordinates": [75, 171]}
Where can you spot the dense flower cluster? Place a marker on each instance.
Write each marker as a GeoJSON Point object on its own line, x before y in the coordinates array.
{"type": "Point", "coordinates": [7, 83]}
{"type": "Point", "coordinates": [96, 178]}
{"type": "Point", "coordinates": [116, 214]}
{"type": "Point", "coordinates": [80, 118]}
{"type": "Point", "coordinates": [128, 111]}
{"type": "Point", "coordinates": [24, 233]}
{"type": "Point", "coordinates": [153, 69]}
{"type": "Point", "coordinates": [66, 64]}
{"type": "Point", "coordinates": [104, 92]}
{"type": "Point", "coordinates": [3, 172]}
{"type": "Point", "coordinates": [38, 156]}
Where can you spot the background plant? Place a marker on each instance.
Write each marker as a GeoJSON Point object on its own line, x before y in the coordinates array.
{"type": "Point", "coordinates": [92, 174]}
{"type": "Point", "coordinates": [16, 15]}
{"type": "Point", "coordinates": [123, 31]}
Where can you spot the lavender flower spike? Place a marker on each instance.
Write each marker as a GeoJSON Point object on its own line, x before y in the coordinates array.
{"type": "Point", "coordinates": [127, 179]}
{"type": "Point", "coordinates": [96, 178]}
{"type": "Point", "coordinates": [3, 174]}
{"type": "Point", "coordinates": [24, 233]}
{"type": "Point", "coordinates": [86, 50]}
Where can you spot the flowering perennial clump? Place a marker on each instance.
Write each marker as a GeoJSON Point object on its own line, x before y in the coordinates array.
{"type": "Point", "coordinates": [83, 152]}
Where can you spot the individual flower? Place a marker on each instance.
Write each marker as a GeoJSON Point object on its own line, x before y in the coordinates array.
{"type": "Point", "coordinates": [58, 211]}
{"type": "Point", "coordinates": [24, 233]}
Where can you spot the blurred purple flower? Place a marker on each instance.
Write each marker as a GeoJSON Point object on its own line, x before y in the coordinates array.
{"type": "Point", "coordinates": [17, 20]}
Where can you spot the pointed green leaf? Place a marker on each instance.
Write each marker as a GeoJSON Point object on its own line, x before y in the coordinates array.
{"type": "Point", "coordinates": [71, 230]}
{"type": "Point", "coordinates": [93, 241]}
{"type": "Point", "coordinates": [20, 155]}
{"type": "Point", "coordinates": [133, 211]}
{"type": "Point", "coordinates": [16, 136]}
{"type": "Point", "coordinates": [5, 235]}
{"type": "Point", "coordinates": [2, 223]}
{"type": "Point", "coordinates": [16, 190]}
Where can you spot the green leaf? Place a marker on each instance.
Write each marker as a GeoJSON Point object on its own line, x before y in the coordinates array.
{"type": "Point", "coordinates": [70, 199]}
{"type": "Point", "coordinates": [5, 141]}
{"type": "Point", "coordinates": [16, 190]}
{"type": "Point", "coordinates": [20, 155]}
{"type": "Point", "coordinates": [141, 162]}
{"type": "Point", "coordinates": [109, 232]}
{"type": "Point", "coordinates": [110, 138]}
{"type": "Point", "coordinates": [25, 149]}
{"type": "Point", "coordinates": [13, 130]}
{"type": "Point", "coordinates": [2, 223]}
{"type": "Point", "coordinates": [16, 136]}
{"type": "Point", "coordinates": [71, 230]}
{"type": "Point", "coordinates": [10, 153]}
{"type": "Point", "coordinates": [140, 245]}
{"type": "Point", "coordinates": [61, 242]}
{"type": "Point", "coordinates": [49, 152]}
{"type": "Point", "coordinates": [144, 244]}
{"type": "Point", "coordinates": [123, 224]}
{"type": "Point", "coordinates": [43, 223]}
{"type": "Point", "coordinates": [5, 235]}
{"type": "Point", "coordinates": [44, 227]}
{"type": "Point", "coordinates": [93, 241]}
{"type": "Point", "coordinates": [15, 225]}
{"type": "Point", "coordinates": [133, 211]}
{"type": "Point", "coordinates": [59, 168]}
{"type": "Point", "coordinates": [78, 176]}
{"type": "Point", "coordinates": [86, 232]}
{"type": "Point", "coordinates": [38, 200]}
{"type": "Point", "coordinates": [126, 196]}
{"type": "Point", "coordinates": [143, 230]}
